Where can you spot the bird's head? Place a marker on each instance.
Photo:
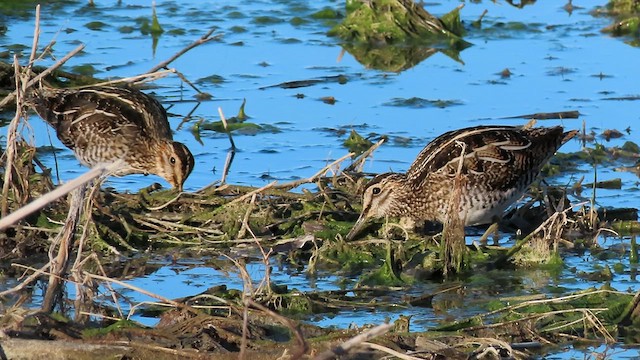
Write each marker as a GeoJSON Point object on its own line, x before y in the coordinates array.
{"type": "Point", "coordinates": [175, 163]}
{"type": "Point", "coordinates": [382, 197]}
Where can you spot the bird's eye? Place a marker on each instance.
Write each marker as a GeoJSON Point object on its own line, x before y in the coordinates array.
{"type": "Point", "coordinates": [375, 190]}
{"type": "Point", "coordinates": [172, 160]}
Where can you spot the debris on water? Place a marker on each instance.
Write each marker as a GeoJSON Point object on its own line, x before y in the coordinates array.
{"type": "Point", "coordinates": [611, 134]}
{"type": "Point", "coordinates": [574, 114]}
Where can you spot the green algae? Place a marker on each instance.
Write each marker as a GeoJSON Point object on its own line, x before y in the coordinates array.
{"type": "Point", "coordinates": [96, 25]}
{"type": "Point", "coordinates": [155, 28]}
{"type": "Point", "coordinates": [326, 14]}
{"type": "Point", "coordinates": [389, 274]}
{"type": "Point", "coordinates": [626, 16]}
{"type": "Point", "coordinates": [267, 20]}
{"type": "Point", "coordinates": [419, 103]}
{"type": "Point", "coordinates": [115, 327]}
{"type": "Point", "coordinates": [356, 143]}
{"type": "Point", "coordinates": [395, 35]}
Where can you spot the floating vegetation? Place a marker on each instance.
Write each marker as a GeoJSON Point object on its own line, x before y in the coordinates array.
{"type": "Point", "coordinates": [236, 123]}
{"type": "Point", "coordinates": [418, 103]}
{"type": "Point", "coordinates": [211, 79]}
{"type": "Point", "coordinates": [356, 143]}
{"type": "Point", "coordinates": [396, 35]}
{"type": "Point", "coordinates": [626, 15]}
{"type": "Point", "coordinates": [156, 28]}
{"type": "Point", "coordinates": [96, 25]}
{"type": "Point", "coordinates": [340, 79]}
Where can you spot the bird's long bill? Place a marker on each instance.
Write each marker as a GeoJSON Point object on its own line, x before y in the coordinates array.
{"type": "Point", "coordinates": [177, 182]}
{"type": "Point", "coordinates": [357, 227]}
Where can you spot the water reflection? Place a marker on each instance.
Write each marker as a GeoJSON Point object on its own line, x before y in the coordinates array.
{"type": "Point", "coordinates": [394, 58]}
{"type": "Point", "coordinates": [398, 35]}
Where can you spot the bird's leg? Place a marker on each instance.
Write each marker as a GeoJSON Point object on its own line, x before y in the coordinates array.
{"type": "Point", "coordinates": [491, 230]}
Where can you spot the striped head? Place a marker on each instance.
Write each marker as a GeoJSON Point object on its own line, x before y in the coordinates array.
{"type": "Point", "coordinates": [174, 163]}
{"type": "Point", "coordinates": [385, 195]}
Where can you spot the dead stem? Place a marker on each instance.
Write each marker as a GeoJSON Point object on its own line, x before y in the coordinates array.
{"type": "Point", "coordinates": [36, 37]}
{"type": "Point", "coordinates": [78, 277]}
{"type": "Point", "coordinates": [180, 354]}
{"type": "Point", "coordinates": [251, 193]}
{"type": "Point", "coordinates": [502, 261]}
{"type": "Point", "coordinates": [348, 345]}
{"type": "Point", "coordinates": [11, 151]}
{"type": "Point", "coordinates": [589, 315]}
{"type": "Point", "coordinates": [314, 177]}
{"type": "Point", "coordinates": [391, 352]}
{"type": "Point", "coordinates": [43, 74]}
{"type": "Point", "coordinates": [266, 279]}
{"type": "Point", "coordinates": [59, 261]}
{"type": "Point", "coordinates": [137, 289]}
{"type": "Point", "coordinates": [302, 347]}
{"type": "Point", "coordinates": [232, 151]}
{"type": "Point", "coordinates": [204, 39]}
{"type": "Point", "coordinates": [31, 278]}
{"type": "Point", "coordinates": [453, 248]}
{"type": "Point", "coordinates": [162, 206]}
{"type": "Point", "coordinates": [245, 219]}
{"type": "Point", "coordinates": [225, 171]}
{"type": "Point", "coordinates": [247, 292]}
{"type": "Point", "coordinates": [55, 194]}
{"type": "Point", "coordinates": [137, 79]}
{"type": "Point", "coordinates": [358, 164]}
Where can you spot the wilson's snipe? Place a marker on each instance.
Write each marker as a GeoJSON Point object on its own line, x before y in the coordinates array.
{"type": "Point", "coordinates": [496, 163]}
{"type": "Point", "coordinates": [104, 124]}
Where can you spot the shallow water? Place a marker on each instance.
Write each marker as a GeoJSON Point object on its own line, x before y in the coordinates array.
{"type": "Point", "coordinates": [556, 61]}
{"type": "Point", "coordinates": [559, 61]}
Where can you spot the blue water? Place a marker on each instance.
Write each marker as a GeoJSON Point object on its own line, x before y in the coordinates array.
{"type": "Point", "coordinates": [302, 147]}
{"type": "Point", "coordinates": [559, 62]}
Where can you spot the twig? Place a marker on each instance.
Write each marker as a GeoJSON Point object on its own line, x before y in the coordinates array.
{"type": "Point", "coordinates": [43, 74]}
{"type": "Point", "coordinates": [502, 261]}
{"type": "Point", "coordinates": [204, 39]}
{"type": "Point", "coordinates": [36, 36]}
{"type": "Point", "coordinates": [64, 244]}
{"type": "Point", "coordinates": [346, 346]}
{"type": "Point", "coordinates": [11, 143]}
{"type": "Point", "coordinates": [391, 351]}
{"type": "Point", "coordinates": [303, 347]}
{"type": "Point", "coordinates": [227, 165]}
{"type": "Point", "coordinates": [247, 291]}
{"type": "Point", "coordinates": [137, 289]}
{"type": "Point", "coordinates": [266, 280]}
{"type": "Point", "coordinates": [138, 78]}
{"type": "Point", "coordinates": [314, 177]}
{"type": "Point", "coordinates": [31, 278]}
{"type": "Point", "coordinates": [232, 152]}
{"type": "Point", "coordinates": [226, 128]}
{"type": "Point", "coordinates": [361, 159]}
{"type": "Point", "coordinates": [162, 206]}
{"type": "Point", "coordinates": [245, 220]}
{"type": "Point", "coordinates": [184, 78]}
{"type": "Point", "coordinates": [251, 193]}
{"type": "Point", "coordinates": [55, 194]}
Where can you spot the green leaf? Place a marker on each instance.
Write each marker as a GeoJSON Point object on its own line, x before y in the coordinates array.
{"type": "Point", "coordinates": [452, 22]}
{"type": "Point", "coordinates": [156, 29]}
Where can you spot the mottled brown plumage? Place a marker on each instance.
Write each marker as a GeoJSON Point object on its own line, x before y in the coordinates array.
{"type": "Point", "coordinates": [496, 163]}
{"type": "Point", "coordinates": [104, 124]}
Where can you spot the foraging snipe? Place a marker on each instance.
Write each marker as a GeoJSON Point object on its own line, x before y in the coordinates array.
{"type": "Point", "coordinates": [103, 124]}
{"type": "Point", "coordinates": [496, 163]}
